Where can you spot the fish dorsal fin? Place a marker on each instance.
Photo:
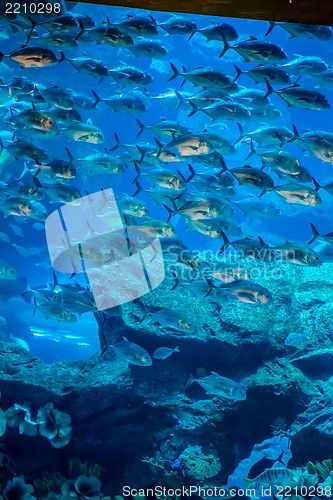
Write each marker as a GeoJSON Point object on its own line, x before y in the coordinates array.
{"type": "Point", "coordinates": [125, 339]}
{"type": "Point", "coordinates": [162, 119]}
{"type": "Point", "coordinates": [247, 166]}
{"type": "Point", "coordinates": [253, 37]}
{"type": "Point", "coordinates": [214, 373]}
{"type": "Point", "coordinates": [89, 122]}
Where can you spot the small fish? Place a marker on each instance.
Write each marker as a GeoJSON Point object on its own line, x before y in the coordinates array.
{"type": "Point", "coordinates": [178, 25]}
{"type": "Point", "coordinates": [311, 31]}
{"type": "Point", "coordinates": [152, 50]}
{"type": "Point", "coordinates": [58, 97]}
{"type": "Point", "coordinates": [132, 353]}
{"type": "Point", "coordinates": [206, 78]}
{"type": "Point", "coordinates": [297, 254]}
{"type": "Point", "coordinates": [215, 31]}
{"type": "Point", "coordinates": [254, 50]}
{"type": "Point", "coordinates": [170, 319]}
{"type": "Point", "coordinates": [7, 271]}
{"type": "Point", "coordinates": [84, 132]}
{"type": "Point", "coordinates": [296, 194]}
{"type": "Point", "coordinates": [295, 339]}
{"type": "Point", "coordinates": [306, 65]}
{"type": "Point", "coordinates": [33, 57]}
{"type": "Point", "coordinates": [94, 67]}
{"type": "Point", "coordinates": [138, 25]}
{"type": "Point", "coordinates": [275, 475]}
{"type": "Point", "coordinates": [165, 129]}
{"type": "Point", "coordinates": [301, 97]}
{"type": "Point", "coordinates": [129, 103]}
{"type": "Point", "coordinates": [274, 74]}
{"type": "Point", "coordinates": [164, 352]}
{"type": "Point", "coordinates": [318, 143]}
{"type": "Point", "coordinates": [223, 387]}
{"type": "Point", "coordinates": [128, 75]}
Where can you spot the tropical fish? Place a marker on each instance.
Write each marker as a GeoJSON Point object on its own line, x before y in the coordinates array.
{"type": "Point", "coordinates": [33, 57]}
{"type": "Point", "coordinates": [295, 339]}
{"type": "Point", "coordinates": [254, 50]}
{"type": "Point", "coordinates": [301, 97]}
{"type": "Point", "coordinates": [297, 254]}
{"type": "Point", "coordinates": [164, 352]}
{"type": "Point", "coordinates": [132, 353]}
{"type": "Point", "coordinates": [152, 50]}
{"type": "Point", "coordinates": [275, 475]}
{"type": "Point", "coordinates": [223, 387]}
{"type": "Point", "coordinates": [297, 194]}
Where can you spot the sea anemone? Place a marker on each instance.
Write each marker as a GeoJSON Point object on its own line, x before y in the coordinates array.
{"type": "Point", "coordinates": [88, 486]}
{"type": "Point", "coordinates": [17, 489]}
{"type": "Point", "coordinates": [20, 416]}
{"type": "Point", "coordinates": [54, 425]}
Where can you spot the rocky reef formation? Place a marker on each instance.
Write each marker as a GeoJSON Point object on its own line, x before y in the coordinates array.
{"type": "Point", "coordinates": [140, 424]}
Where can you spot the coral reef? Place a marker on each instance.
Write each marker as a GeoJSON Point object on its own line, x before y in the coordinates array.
{"type": "Point", "coordinates": [197, 465]}
{"type": "Point", "coordinates": [111, 404]}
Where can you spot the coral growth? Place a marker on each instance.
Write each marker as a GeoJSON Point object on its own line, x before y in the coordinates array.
{"type": "Point", "coordinates": [54, 425]}
{"type": "Point", "coordinates": [197, 465]}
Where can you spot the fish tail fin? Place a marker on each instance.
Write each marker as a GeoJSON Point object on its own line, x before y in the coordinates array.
{"type": "Point", "coordinates": [29, 35]}
{"type": "Point", "coordinates": [252, 150]}
{"type": "Point", "coordinates": [177, 349]}
{"type": "Point", "coordinates": [35, 308]}
{"type": "Point", "coordinates": [70, 156]}
{"type": "Point", "coordinates": [247, 480]}
{"type": "Point", "coordinates": [226, 45]}
{"type": "Point", "coordinates": [295, 135]}
{"type": "Point", "coordinates": [192, 173]}
{"type": "Point", "coordinates": [174, 71]}
{"type": "Point", "coordinates": [181, 99]}
{"type": "Point", "coordinates": [138, 173]}
{"type": "Point", "coordinates": [138, 189]}
{"type": "Point", "coordinates": [160, 147]}
{"type": "Point", "coordinates": [241, 133]}
{"type": "Point", "coordinates": [193, 33]}
{"type": "Point", "coordinates": [226, 242]}
{"type": "Point", "coordinates": [272, 25]}
{"type": "Point", "coordinates": [317, 185]}
{"type": "Point", "coordinates": [238, 72]}
{"type": "Point", "coordinates": [211, 286]}
{"type": "Point", "coordinates": [189, 382]}
{"type": "Point", "coordinates": [118, 143]}
{"type": "Point", "coordinates": [270, 89]}
{"type": "Point", "coordinates": [142, 153]}
{"type": "Point", "coordinates": [170, 212]}
{"type": "Point", "coordinates": [315, 233]}
{"type": "Point", "coordinates": [55, 281]}
{"type": "Point", "coordinates": [264, 191]}
{"type": "Point", "coordinates": [97, 99]}
{"type": "Point", "coordinates": [62, 57]}
{"type": "Point", "coordinates": [194, 107]}
{"type": "Point", "coordinates": [141, 127]}
{"type": "Point", "coordinates": [279, 458]}
{"type": "Point", "coordinates": [177, 282]}
{"type": "Point", "coordinates": [82, 29]}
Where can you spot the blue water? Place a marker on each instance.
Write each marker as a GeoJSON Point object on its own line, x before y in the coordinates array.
{"type": "Point", "coordinates": [293, 224]}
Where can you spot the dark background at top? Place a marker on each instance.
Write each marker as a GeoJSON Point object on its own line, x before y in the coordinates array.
{"type": "Point", "coordinates": [298, 11]}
